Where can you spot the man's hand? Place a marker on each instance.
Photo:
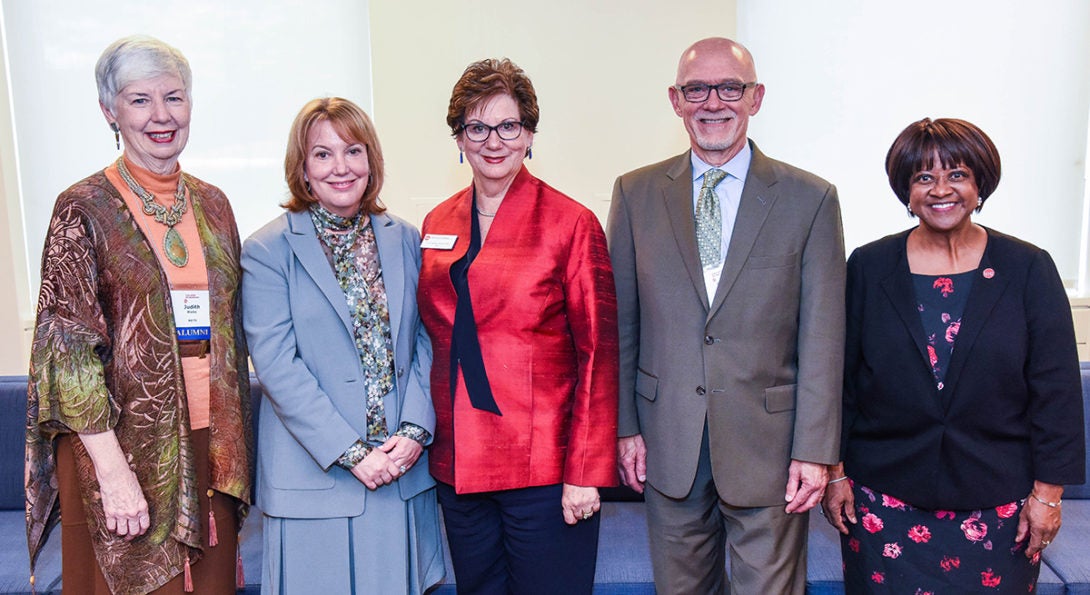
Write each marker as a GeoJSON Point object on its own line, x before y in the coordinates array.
{"type": "Point", "coordinates": [805, 485]}
{"type": "Point", "coordinates": [632, 461]}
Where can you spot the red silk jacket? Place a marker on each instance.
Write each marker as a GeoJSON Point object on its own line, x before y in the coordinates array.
{"type": "Point", "coordinates": [546, 314]}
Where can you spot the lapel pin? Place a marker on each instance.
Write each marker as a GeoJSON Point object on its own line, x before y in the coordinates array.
{"type": "Point", "coordinates": [989, 273]}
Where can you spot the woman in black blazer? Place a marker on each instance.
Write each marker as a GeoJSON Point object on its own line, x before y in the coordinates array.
{"type": "Point", "coordinates": [954, 459]}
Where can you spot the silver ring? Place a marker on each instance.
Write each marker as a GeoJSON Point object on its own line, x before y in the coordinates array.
{"type": "Point", "coordinates": [1045, 543]}
{"type": "Point", "coordinates": [586, 515]}
{"type": "Point", "coordinates": [403, 468]}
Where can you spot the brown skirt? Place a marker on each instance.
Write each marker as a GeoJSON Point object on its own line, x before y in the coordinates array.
{"type": "Point", "coordinates": [214, 573]}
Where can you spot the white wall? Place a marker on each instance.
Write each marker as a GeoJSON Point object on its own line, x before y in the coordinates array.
{"type": "Point", "coordinates": [16, 304]}
{"type": "Point", "coordinates": [845, 77]}
{"type": "Point", "coordinates": [254, 62]}
{"type": "Point", "coordinates": [600, 69]}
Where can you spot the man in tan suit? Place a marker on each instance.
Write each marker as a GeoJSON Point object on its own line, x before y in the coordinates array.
{"type": "Point", "coordinates": [730, 286]}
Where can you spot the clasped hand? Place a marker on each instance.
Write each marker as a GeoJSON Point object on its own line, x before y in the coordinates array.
{"type": "Point", "coordinates": [388, 462]}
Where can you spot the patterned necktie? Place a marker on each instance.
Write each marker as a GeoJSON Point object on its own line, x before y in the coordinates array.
{"type": "Point", "coordinates": [709, 220]}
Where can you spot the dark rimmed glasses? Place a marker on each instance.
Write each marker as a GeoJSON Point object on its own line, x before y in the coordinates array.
{"type": "Point", "coordinates": [728, 91]}
{"type": "Point", "coordinates": [479, 132]}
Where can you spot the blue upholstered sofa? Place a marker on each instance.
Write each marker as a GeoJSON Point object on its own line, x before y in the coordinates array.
{"type": "Point", "coordinates": [624, 565]}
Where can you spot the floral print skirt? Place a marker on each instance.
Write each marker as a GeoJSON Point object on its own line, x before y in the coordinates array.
{"type": "Point", "coordinates": [896, 548]}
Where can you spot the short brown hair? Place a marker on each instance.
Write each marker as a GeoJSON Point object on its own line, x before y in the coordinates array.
{"type": "Point", "coordinates": [354, 126]}
{"type": "Point", "coordinates": [485, 79]}
{"type": "Point", "coordinates": [956, 142]}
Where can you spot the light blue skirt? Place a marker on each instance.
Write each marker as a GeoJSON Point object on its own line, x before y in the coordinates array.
{"type": "Point", "coordinates": [392, 548]}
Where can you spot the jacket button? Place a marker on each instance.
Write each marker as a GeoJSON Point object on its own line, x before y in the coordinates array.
{"type": "Point", "coordinates": [700, 390]}
{"type": "Point", "coordinates": [400, 372]}
{"type": "Point", "coordinates": [708, 340]}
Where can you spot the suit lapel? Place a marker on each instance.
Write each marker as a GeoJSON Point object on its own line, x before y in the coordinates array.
{"type": "Point", "coordinates": [983, 296]}
{"type": "Point", "coordinates": [900, 291]}
{"type": "Point", "coordinates": [308, 250]}
{"type": "Point", "coordinates": [392, 261]}
{"type": "Point", "coordinates": [677, 194]}
{"type": "Point", "coordinates": [754, 206]}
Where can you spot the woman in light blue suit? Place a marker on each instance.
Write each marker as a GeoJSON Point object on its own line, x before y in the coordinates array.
{"type": "Point", "coordinates": [335, 338]}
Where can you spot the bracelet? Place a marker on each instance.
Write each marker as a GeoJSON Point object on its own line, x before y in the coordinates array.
{"type": "Point", "coordinates": [1055, 504]}
{"type": "Point", "coordinates": [841, 478]}
{"type": "Point", "coordinates": [355, 453]}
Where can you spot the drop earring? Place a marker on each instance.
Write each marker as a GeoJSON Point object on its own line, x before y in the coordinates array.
{"type": "Point", "coordinates": [306, 183]}
{"type": "Point", "coordinates": [117, 134]}
{"type": "Point", "coordinates": [460, 160]}
{"type": "Point", "coordinates": [529, 152]}
{"type": "Point", "coordinates": [909, 209]}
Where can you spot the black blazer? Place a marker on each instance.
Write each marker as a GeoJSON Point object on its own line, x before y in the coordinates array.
{"type": "Point", "coordinates": [1011, 410]}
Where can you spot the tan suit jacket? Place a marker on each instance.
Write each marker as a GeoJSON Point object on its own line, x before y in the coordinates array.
{"type": "Point", "coordinates": [763, 361]}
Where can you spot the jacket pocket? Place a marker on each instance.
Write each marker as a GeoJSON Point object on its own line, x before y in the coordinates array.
{"type": "Point", "coordinates": [780, 398]}
{"type": "Point", "coordinates": [284, 463]}
{"type": "Point", "coordinates": [647, 386]}
{"type": "Point", "coordinates": [771, 262]}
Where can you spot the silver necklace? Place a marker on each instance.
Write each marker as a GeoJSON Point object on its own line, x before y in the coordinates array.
{"type": "Point", "coordinates": [173, 245]}
{"type": "Point", "coordinates": [484, 214]}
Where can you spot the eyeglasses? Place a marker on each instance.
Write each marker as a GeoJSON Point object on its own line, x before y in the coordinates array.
{"type": "Point", "coordinates": [479, 132]}
{"type": "Point", "coordinates": [728, 91]}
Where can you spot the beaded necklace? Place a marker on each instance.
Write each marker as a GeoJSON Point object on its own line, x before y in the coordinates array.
{"type": "Point", "coordinates": [173, 245]}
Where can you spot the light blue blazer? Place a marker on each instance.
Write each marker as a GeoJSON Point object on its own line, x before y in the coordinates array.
{"type": "Point", "coordinates": [302, 347]}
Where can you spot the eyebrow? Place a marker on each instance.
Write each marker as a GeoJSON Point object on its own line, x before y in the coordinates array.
{"type": "Point", "coordinates": [348, 145]}
{"type": "Point", "coordinates": [180, 90]}
{"type": "Point", "coordinates": [505, 120]}
{"type": "Point", "coordinates": [737, 81]}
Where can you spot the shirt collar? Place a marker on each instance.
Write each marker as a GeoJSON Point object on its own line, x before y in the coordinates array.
{"type": "Point", "coordinates": [738, 166]}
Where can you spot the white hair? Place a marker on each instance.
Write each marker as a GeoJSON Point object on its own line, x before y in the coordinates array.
{"type": "Point", "coordinates": [135, 58]}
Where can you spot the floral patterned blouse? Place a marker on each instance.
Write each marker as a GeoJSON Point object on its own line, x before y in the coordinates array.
{"type": "Point", "coordinates": [941, 301]}
{"type": "Point", "coordinates": [350, 247]}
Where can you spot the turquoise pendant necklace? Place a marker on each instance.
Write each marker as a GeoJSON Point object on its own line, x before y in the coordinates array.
{"type": "Point", "coordinates": [173, 245]}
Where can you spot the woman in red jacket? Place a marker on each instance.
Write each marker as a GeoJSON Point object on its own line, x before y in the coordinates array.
{"type": "Point", "coordinates": [517, 294]}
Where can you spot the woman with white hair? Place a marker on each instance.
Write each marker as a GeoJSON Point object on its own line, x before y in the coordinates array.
{"type": "Point", "coordinates": [138, 423]}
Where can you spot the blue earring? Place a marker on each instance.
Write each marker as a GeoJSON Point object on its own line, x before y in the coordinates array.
{"type": "Point", "coordinates": [530, 153]}
{"type": "Point", "coordinates": [460, 157]}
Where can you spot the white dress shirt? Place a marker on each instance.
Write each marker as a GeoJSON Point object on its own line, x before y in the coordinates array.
{"type": "Point", "coordinates": [729, 192]}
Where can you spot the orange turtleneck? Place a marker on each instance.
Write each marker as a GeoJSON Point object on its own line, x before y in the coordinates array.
{"type": "Point", "coordinates": [194, 275]}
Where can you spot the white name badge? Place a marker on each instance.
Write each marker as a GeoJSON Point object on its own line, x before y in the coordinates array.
{"type": "Point", "coordinates": [438, 241]}
{"type": "Point", "coordinates": [191, 316]}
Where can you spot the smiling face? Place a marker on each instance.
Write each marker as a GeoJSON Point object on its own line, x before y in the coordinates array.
{"type": "Point", "coordinates": [717, 128]}
{"type": "Point", "coordinates": [943, 198]}
{"type": "Point", "coordinates": [494, 160]}
{"type": "Point", "coordinates": [153, 117]}
{"type": "Point", "coordinates": [338, 171]}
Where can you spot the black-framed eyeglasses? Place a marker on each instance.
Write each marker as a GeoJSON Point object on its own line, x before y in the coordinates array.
{"type": "Point", "coordinates": [479, 132]}
{"type": "Point", "coordinates": [728, 91]}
